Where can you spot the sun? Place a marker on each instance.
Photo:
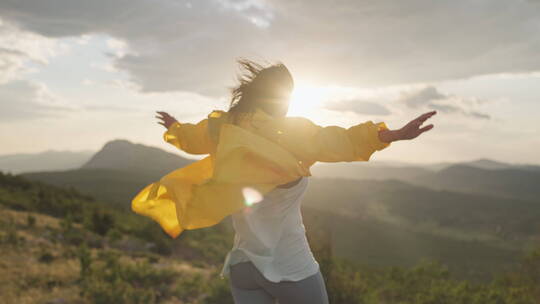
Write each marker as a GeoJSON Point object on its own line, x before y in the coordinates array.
{"type": "Point", "coordinates": [306, 100]}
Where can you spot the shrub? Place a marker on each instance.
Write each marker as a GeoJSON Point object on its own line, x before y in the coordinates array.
{"type": "Point", "coordinates": [30, 221]}
{"type": "Point", "coordinates": [114, 235]}
{"type": "Point", "coordinates": [46, 257]}
{"type": "Point", "coordinates": [189, 287]}
{"type": "Point", "coordinates": [99, 221]}
{"type": "Point", "coordinates": [85, 260]}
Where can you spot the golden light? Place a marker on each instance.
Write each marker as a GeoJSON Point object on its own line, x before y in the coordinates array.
{"type": "Point", "coordinates": [306, 100]}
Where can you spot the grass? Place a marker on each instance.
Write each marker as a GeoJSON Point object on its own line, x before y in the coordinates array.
{"type": "Point", "coordinates": [40, 267]}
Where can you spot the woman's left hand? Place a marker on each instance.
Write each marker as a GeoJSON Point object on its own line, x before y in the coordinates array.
{"type": "Point", "coordinates": [166, 119]}
{"type": "Point", "coordinates": [412, 129]}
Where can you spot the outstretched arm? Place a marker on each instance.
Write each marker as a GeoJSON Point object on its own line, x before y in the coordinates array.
{"type": "Point", "coordinates": [312, 142]}
{"type": "Point", "coordinates": [335, 144]}
{"type": "Point", "coordinates": [191, 138]}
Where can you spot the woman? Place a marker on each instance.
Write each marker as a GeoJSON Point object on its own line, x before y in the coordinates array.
{"type": "Point", "coordinates": [257, 171]}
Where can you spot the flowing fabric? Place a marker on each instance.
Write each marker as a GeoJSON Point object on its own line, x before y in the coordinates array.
{"type": "Point", "coordinates": [260, 152]}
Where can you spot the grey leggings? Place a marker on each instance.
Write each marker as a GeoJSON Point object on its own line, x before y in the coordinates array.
{"type": "Point", "coordinates": [249, 286]}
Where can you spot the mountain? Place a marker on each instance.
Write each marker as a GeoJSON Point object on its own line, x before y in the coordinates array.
{"type": "Point", "coordinates": [481, 176]}
{"type": "Point", "coordinates": [367, 170]}
{"type": "Point", "coordinates": [117, 172]}
{"type": "Point", "coordinates": [44, 161]}
{"type": "Point", "coordinates": [511, 182]}
{"type": "Point", "coordinates": [487, 164]}
{"type": "Point", "coordinates": [482, 163]}
{"type": "Point", "coordinates": [123, 155]}
{"type": "Point", "coordinates": [455, 214]}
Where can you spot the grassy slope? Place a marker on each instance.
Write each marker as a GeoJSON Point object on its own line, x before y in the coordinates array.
{"type": "Point", "coordinates": [376, 222]}
{"type": "Point", "coordinates": [40, 266]}
{"type": "Point", "coordinates": [52, 273]}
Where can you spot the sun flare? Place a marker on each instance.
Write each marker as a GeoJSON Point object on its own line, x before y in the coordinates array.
{"type": "Point", "coordinates": [306, 100]}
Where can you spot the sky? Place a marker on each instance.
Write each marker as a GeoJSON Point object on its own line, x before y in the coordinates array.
{"type": "Point", "coordinates": [75, 74]}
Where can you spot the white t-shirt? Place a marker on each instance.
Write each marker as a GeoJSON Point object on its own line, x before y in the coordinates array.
{"type": "Point", "coordinates": [272, 236]}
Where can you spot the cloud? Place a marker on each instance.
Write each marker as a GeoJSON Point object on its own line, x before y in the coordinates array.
{"type": "Point", "coordinates": [19, 47]}
{"type": "Point", "coordinates": [403, 99]}
{"type": "Point", "coordinates": [27, 100]}
{"type": "Point", "coordinates": [181, 45]}
{"type": "Point", "coordinates": [429, 97]}
{"type": "Point", "coordinates": [24, 100]}
{"type": "Point", "coordinates": [358, 107]}
{"type": "Point", "coordinates": [422, 97]}
{"type": "Point", "coordinates": [479, 115]}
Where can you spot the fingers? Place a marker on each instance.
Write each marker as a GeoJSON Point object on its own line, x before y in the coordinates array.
{"type": "Point", "coordinates": [426, 128]}
{"type": "Point", "coordinates": [426, 115]}
{"type": "Point", "coordinates": [164, 114]}
{"type": "Point", "coordinates": [417, 122]}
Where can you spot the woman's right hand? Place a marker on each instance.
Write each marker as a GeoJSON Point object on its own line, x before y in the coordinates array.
{"type": "Point", "coordinates": [166, 119]}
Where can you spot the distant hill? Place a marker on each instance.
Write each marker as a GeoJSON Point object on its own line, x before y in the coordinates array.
{"type": "Point", "coordinates": [114, 186]}
{"type": "Point", "coordinates": [487, 164]}
{"type": "Point", "coordinates": [44, 161]}
{"type": "Point", "coordinates": [117, 172]}
{"type": "Point", "coordinates": [484, 163]}
{"type": "Point", "coordinates": [455, 214]}
{"type": "Point", "coordinates": [508, 182]}
{"type": "Point", "coordinates": [125, 155]}
{"type": "Point", "coordinates": [367, 170]}
{"type": "Point", "coordinates": [481, 176]}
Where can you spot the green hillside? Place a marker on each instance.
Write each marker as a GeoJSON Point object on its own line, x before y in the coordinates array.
{"type": "Point", "coordinates": [518, 183]}
{"type": "Point", "coordinates": [60, 246]}
{"type": "Point", "coordinates": [44, 161]}
{"type": "Point", "coordinates": [420, 223]}
{"type": "Point", "coordinates": [457, 214]}
{"type": "Point", "coordinates": [111, 185]}
{"type": "Point", "coordinates": [116, 172]}
{"type": "Point", "coordinates": [374, 243]}
{"type": "Point", "coordinates": [484, 177]}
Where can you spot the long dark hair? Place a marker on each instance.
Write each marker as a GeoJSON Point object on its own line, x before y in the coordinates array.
{"type": "Point", "coordinates": [257, 82]}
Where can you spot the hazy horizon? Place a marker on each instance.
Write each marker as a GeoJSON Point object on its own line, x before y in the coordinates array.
{"type": "Point", "coordinates": [196, 157]}
{"type": "Point", "coordinates": [76, 74]}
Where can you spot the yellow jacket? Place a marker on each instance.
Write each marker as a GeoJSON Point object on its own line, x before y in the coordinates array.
{"type": "Point", "coordinates": [260, 152]}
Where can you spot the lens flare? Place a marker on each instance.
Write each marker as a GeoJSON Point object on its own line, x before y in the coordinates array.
{"type": "Point", "coordinates": [251, 196]}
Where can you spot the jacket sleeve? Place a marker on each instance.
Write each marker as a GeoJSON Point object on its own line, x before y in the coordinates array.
{"type": "Point", "coordinates": [191, 138]}
{"type": "Point", "coordinates": [335, 144]}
